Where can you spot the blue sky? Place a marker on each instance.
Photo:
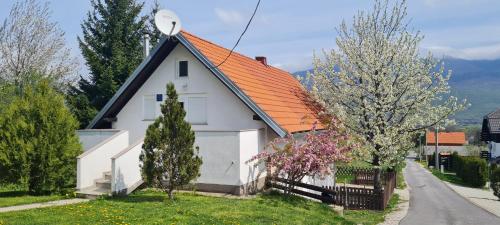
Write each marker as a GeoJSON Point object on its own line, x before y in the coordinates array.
{"type": "Point", "coordinates": [288, 32]}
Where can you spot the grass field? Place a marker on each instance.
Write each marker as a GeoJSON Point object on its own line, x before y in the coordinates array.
{"type": "Point", "coordinates": [151, 207]}
{"type": "Point", "coordinates": [11, 195]}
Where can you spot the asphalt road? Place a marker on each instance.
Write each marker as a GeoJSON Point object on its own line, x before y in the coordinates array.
{"type": "Point", "coordinates": [432, 202]}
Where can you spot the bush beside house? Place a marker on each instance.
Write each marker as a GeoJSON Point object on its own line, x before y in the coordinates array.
{"type": "Point", "coordinates": [495, 181]}
{"type": "Point", "coordinates": [38, 142]}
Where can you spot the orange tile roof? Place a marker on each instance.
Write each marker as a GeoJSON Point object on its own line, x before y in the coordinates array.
{"type": "Point", "coordinates": [278, 93]}
{"type": "Point", "coordinates": [446, 138]}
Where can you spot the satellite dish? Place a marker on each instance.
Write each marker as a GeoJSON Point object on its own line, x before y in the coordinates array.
{"type": "Point", "coordinates": [167, 22]}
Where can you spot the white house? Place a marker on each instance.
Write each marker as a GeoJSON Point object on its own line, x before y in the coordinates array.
{"type": "Point", "coordinates": [447, 142]}
{"type": "Point", "coordinates": [490, 133]}
{"type": "Point", "coordinates": [235, 109]}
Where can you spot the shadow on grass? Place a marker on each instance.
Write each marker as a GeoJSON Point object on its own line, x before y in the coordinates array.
{"type": "Point", "coordinates": [275, 198]}
{"type": "Point", "coordinates": [138, 198]}
{"type": "Point", "coordinates": [13, 193]}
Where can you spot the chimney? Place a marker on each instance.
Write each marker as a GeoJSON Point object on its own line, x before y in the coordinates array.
{"type": "Point", "coordinates": [261, 59]}
{"type": "Point", "coordinates": [145, 45]}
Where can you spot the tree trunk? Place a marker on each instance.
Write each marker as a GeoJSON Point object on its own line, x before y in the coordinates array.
{"type": "Point", "coordinates": [170, 193]}
{"type": "Point", "coordinates": [377, 184]}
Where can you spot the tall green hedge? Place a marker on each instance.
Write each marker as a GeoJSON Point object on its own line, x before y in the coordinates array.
{"type": "Point", "coordinates": [472, 170]}
{"type": "Point", "coordinates": [38, 142]}
{"type": "Point", "coordinates": [495, 181]}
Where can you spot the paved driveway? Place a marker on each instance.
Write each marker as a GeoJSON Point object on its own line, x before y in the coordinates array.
{"type": "Point", "coordinates": [432, 202]}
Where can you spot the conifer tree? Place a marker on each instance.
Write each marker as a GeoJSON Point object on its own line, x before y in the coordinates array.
{"type": "Point", "coordinates": [111, 47]}
{"type": "Point", "coordinates": [169, 158]}
{"type": "Point", "coordinates": [38, 142]}
{"type": "Point", "coordinates": [154, 34]}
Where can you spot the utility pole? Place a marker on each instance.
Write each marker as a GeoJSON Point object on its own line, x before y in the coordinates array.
{"type": "Point", "coordinates": [436, 159]}
{"type": "Point", "coordinates": [420, 147]}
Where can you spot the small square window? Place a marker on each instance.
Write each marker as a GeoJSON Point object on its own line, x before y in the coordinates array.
{"type": "Point", "coordinates": [183, 68]}
{"type": "Point", "coordinates": [159, 97]}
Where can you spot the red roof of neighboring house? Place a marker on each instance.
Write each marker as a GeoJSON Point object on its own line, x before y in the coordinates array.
{"type": "Point", "coordinates": [278, 93]}
{"type": "Point", "coordinates": [446, 138]}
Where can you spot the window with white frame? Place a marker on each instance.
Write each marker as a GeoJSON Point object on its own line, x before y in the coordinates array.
{"type": "Point", "coordinates": [182, 68]}
{"type": "Point", "coordinates": [196, 110]}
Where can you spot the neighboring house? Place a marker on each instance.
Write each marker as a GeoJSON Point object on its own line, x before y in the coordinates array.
{"type": "Point", "coordinates": [490, 133]}
{"type": "Point", "coordinates": [447, 142]}
{"type": "Point", "coordinates": [235, 110]}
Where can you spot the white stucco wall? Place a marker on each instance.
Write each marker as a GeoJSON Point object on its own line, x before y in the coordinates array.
{"type": "Point", "coordinates": [495, 149]}
{"type": "Point", "coordinates": [225, 111]}
{"type": "Point", "coordinates": [91, 137]}
{"type": "Point", "coordinates": [429, 150]}
{"type": "Point", "coordinates": [220, 154]}
{"type": "Point", "coordinates": [94, 162]}
{"type": "Point", "coordinates": [125, 172]}
{"type": "Point", "coordinates": [251, 142]}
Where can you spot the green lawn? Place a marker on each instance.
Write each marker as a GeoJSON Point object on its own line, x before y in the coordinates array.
{"type": "Point", "coordinates": [151, 207]}
{"type": "Point", "coordinates": [371, 217]}
{"type": "Point", "coordinates": [447, 176]}
{"type": "Point", "coordinates": [11, 195]}
{"type": "Point", "coordinates": [400, 180]}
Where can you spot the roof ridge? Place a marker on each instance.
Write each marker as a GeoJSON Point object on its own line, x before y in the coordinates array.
{"type": "Point", "coordinates": [234, 52]}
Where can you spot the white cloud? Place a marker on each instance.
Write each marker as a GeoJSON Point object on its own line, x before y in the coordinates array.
{"type": "Point", "coordinates": [230, 17]}
{"type": "Point", "coordinates": [481, 52]}
{"type": "Point", "coordinates": [434, 3]}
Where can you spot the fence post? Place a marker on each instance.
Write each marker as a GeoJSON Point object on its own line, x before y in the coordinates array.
{"type": "Point", "coordinates": [345, 199]}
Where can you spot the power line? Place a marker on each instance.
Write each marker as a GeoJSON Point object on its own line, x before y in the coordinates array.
{"type": "Point", "coordinates": [243, 33]}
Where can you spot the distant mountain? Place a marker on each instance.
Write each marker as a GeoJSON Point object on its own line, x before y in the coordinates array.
{"type": "Point", "coordinates": [476, 80]}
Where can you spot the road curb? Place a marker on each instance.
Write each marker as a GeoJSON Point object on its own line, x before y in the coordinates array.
{"type": "Point", "coordinates": [467, 198]}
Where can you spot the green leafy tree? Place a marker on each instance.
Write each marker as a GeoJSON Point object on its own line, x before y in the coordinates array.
{"type": "Point", "coordinates": [169, 158]}
{"type": "Point", "coordinates": [380, 87]}
{"type": "Point", "coordinates": [38, 142]}
{"type": "Point", "coordinates": [111, 47]}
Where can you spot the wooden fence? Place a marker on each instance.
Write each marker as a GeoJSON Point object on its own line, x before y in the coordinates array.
{"type": "Point", "coordinates": [349, 197]}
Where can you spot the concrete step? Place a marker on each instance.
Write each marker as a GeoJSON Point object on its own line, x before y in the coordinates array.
{"type": "Point", "coordinates": [103, 183]}
{"type": "Point", "coordinates": [107, 175]}
{"type": "Point", "coordinates": [93, 192]}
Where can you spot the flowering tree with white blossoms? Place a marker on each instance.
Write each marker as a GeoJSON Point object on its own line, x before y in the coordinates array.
{"type": "Point", "coordinates": [379, 85]}
{"type": "Point", "coordinates": [293, 159]}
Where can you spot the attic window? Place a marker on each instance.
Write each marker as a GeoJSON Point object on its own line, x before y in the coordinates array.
{"type": "Point", "coordinates": [183, 68]}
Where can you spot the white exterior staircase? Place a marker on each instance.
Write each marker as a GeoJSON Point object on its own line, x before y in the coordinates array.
{"type": "Point", "coordinates": [109, 164]}
{"type": "Point", "coordinates": [102, 187]}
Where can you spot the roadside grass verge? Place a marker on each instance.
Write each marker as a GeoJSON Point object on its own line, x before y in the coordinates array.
{"type": "Point", "coordinates": [368, 217]}
{"type": "Point", "coordinates": [447, 176]}
{"type": "Point", "coordinates": [400, 180]}
{"type": "Point", "coordinates": [12, 195]}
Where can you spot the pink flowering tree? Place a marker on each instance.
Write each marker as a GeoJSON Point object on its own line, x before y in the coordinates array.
{"type": "Point", "coordinates": [314, 155]}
